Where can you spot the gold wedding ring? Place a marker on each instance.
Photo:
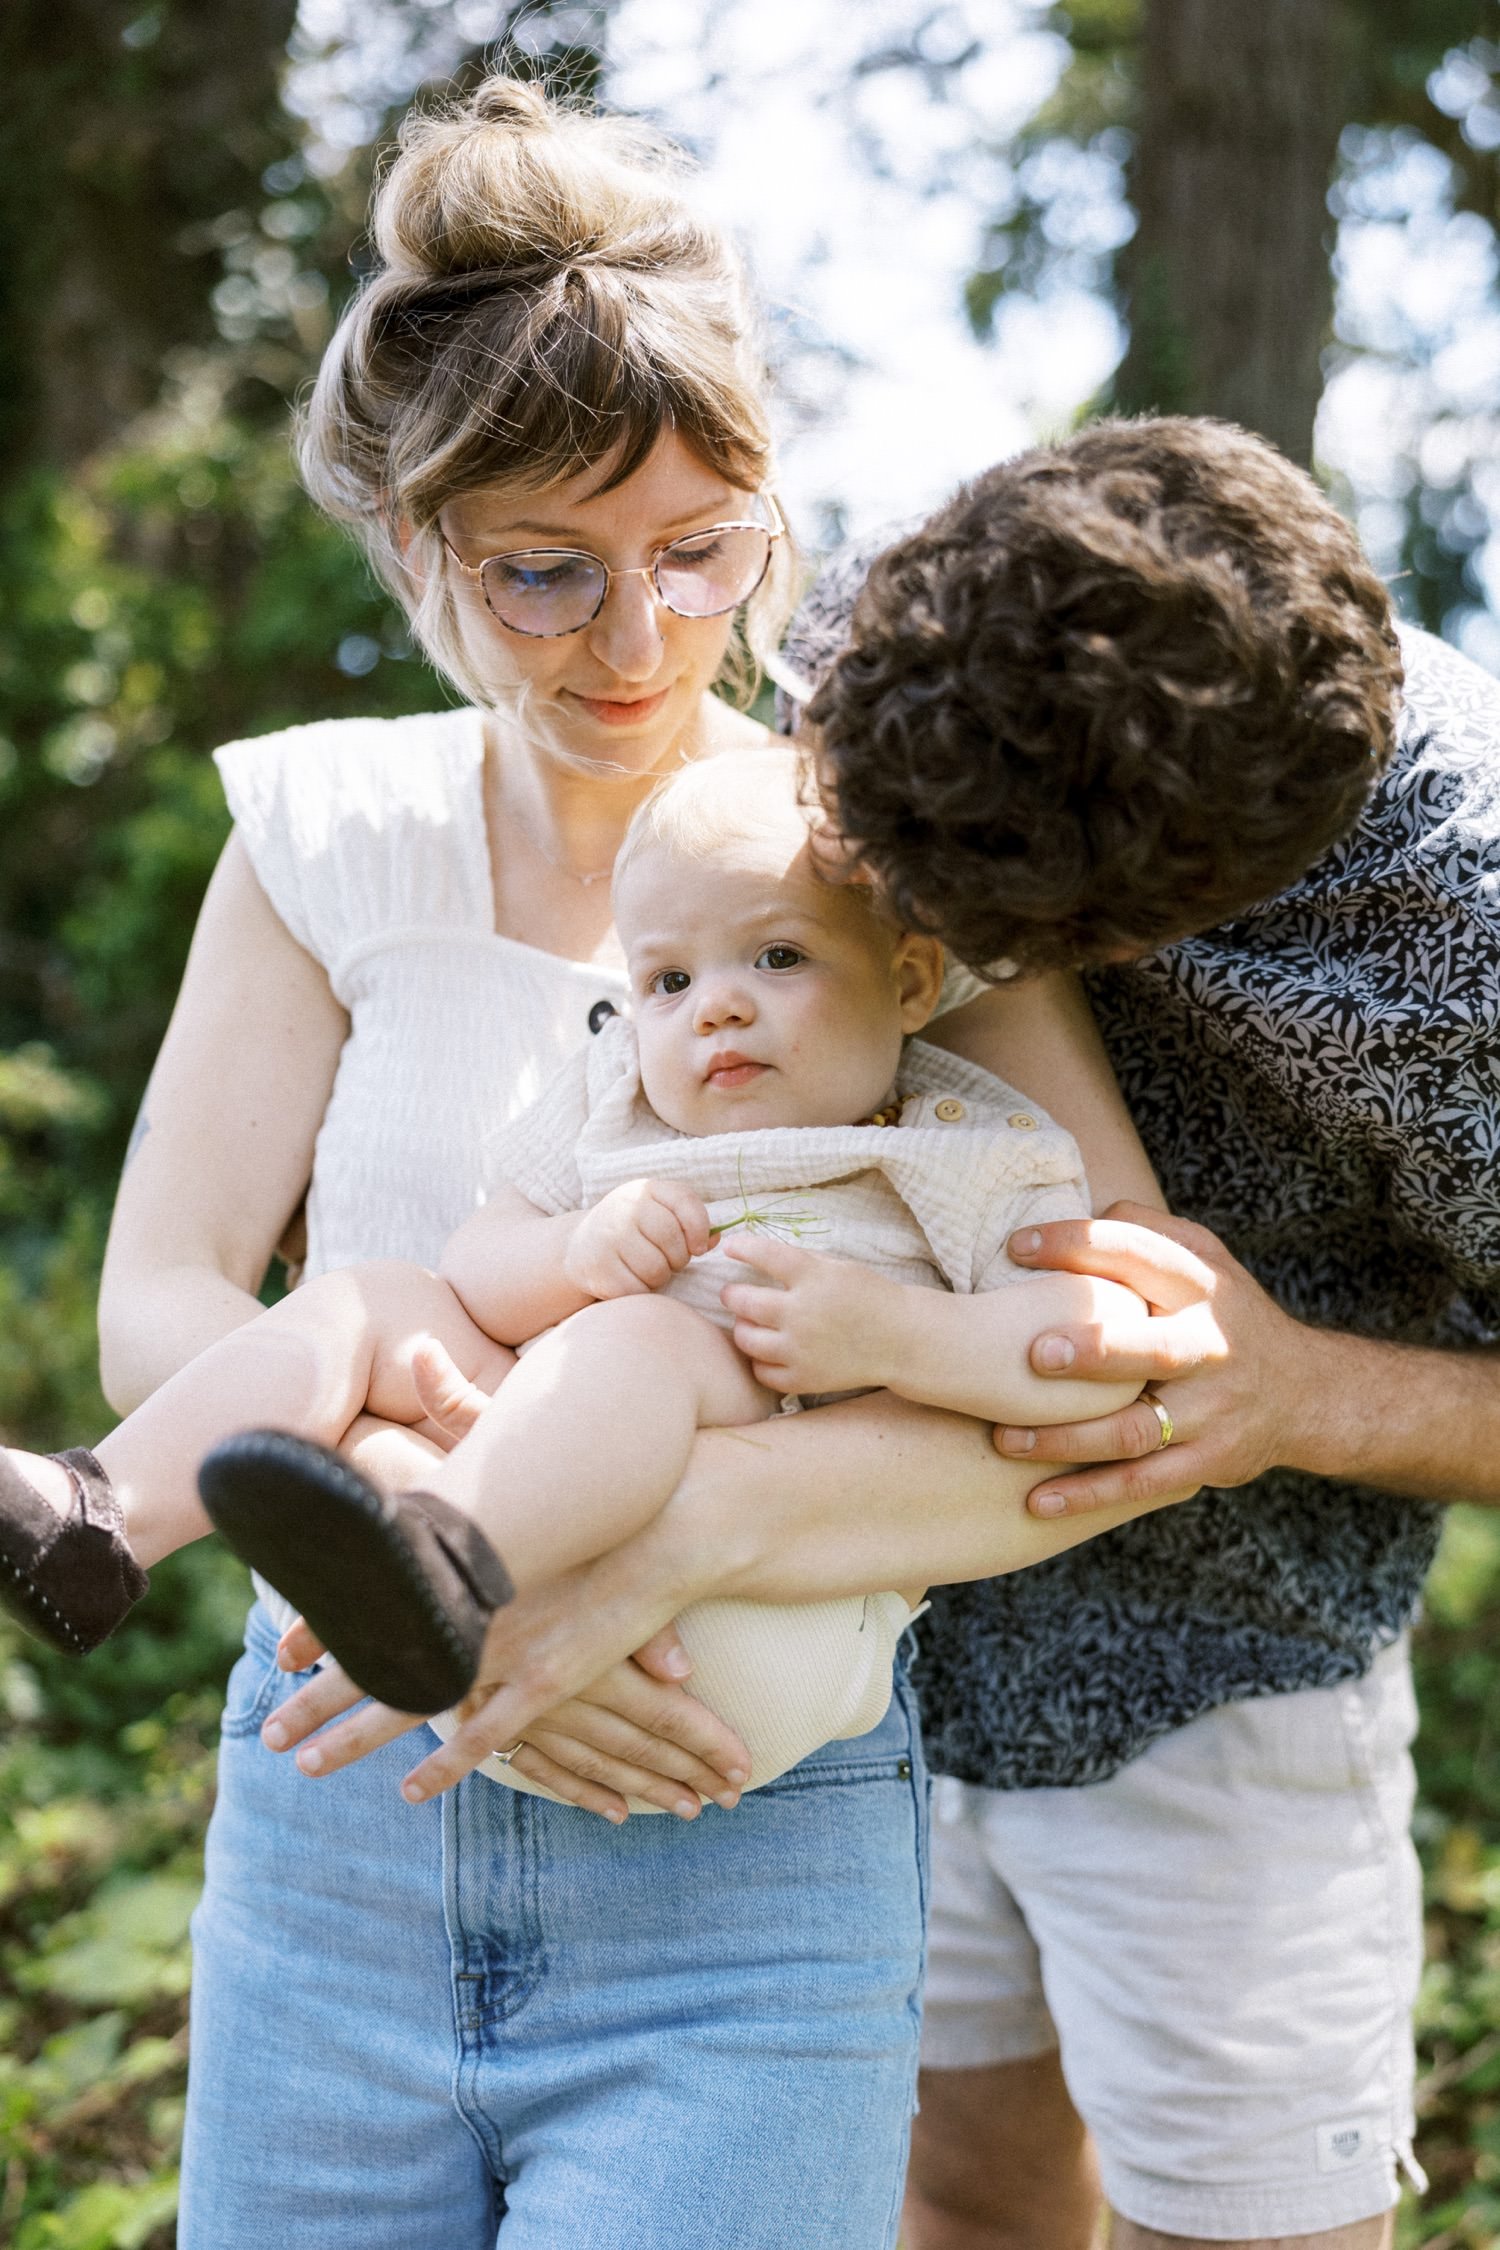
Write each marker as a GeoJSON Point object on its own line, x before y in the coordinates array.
{"type": "Point", "coordinates": [1162, 1416]}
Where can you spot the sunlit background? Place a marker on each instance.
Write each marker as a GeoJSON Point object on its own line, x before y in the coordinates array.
{"type": "Point", "coordinates": [867, 157]}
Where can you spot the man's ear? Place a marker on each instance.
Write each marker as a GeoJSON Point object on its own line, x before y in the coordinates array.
{"type": "Point", "coordinates": [918, 969]}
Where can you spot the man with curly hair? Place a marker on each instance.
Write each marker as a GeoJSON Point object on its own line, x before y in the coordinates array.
{"type": "Point", "coordinates": [1134, 704]}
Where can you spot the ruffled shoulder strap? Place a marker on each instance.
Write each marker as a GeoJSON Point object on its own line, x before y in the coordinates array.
{"type": "Point", "coordinates": [358, 828]}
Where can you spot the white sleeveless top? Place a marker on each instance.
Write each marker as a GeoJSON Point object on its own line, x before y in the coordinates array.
{"type": "Point", "coordinates": [368, 837]}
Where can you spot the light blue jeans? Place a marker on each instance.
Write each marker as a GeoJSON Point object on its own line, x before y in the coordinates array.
{"type": "Point", "coordinates": [415, 2026]}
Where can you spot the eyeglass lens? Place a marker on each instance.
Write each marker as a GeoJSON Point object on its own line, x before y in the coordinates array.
{"type": "Point", "coordinates": [543, 591]}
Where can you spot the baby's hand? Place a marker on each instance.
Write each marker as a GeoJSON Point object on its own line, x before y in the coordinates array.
{"type": "Point", "coordinates": [637, 1238]}
{"type": "Point", "coordinates": [822, 1324]}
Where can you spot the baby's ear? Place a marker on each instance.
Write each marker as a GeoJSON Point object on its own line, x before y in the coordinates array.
{"type": "Point", "coordinates": [919, 977]}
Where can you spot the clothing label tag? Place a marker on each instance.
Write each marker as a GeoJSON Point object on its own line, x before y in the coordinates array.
{"type": "Point", "coordinates": [1349, 2140]}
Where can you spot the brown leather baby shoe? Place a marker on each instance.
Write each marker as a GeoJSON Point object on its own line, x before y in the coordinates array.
{"type": "Point", "coordinates": [400, 1588]}
{"type": "Point", "coordinates": [67, 1579]}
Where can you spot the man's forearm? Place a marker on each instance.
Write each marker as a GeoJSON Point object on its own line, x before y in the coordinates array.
{"type": "Point", "coordinates": [871, 1493]}
{"type": "Point", "coordinates": [971, 1355]}
{"type": "Point", "coordinates": [1422, 1423]}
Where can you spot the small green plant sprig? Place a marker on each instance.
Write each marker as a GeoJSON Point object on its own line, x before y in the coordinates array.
{"type": "Point", "coordinates": [782, 1219]}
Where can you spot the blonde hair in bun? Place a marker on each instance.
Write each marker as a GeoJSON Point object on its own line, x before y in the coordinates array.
{"type": "Point", "coordinates": [546, 302]}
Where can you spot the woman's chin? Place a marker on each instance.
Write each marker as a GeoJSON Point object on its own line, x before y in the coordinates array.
{"type": "Point", "coordinates": [649, 746]}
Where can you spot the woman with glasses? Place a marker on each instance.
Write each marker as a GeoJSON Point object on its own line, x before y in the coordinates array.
{"type": "Point", "coordinates": [544, 418]}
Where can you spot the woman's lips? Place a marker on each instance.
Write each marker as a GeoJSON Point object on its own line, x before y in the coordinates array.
{"type": "Point", "coordinates": [612, 713]}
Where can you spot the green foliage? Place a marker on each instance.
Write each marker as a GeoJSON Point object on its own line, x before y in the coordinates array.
{"type": "Point", "coordinates": [181, 594]}
{"type": "Point", "coordinates": [1458, 1834]}
{"type": "Point", "coordinates": [106, 1776]}
{"type": "Point", "coordinates": [178, 594]}
{"type": "Point", "coordinates": [1391, 50]}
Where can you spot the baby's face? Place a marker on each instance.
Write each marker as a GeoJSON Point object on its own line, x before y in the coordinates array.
{"type": "Point", "coordinates": [764, 995]}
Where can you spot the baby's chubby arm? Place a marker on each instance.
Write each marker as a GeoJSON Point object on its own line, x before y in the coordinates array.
{"type": "Point", "coordinates": [810, 1323]}
{"type": "Point", "coordinates": [517, 1270]}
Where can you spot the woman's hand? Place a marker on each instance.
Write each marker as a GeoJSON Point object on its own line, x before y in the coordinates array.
{"type": "Point", "coordinates": [542, 1651]}
{"type": "Point", "coordinates": [808, 1322]}
{"type": "Point", "coordinates": [633, 1731]}
{"type": "Point", "coordinates": [1239, 1378]}
{"type": "Point", "coordinates": [636, 1238]}
{"type": "Point", "coordinates": [630, 1733]}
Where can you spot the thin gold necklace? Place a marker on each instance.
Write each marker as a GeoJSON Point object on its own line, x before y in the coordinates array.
{"type": "Point", "coordinates": [585, 882]}
{"type": "Point", "coordinates": [561, 867]}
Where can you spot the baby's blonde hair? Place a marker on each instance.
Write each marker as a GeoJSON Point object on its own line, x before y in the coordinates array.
{"type": "Point", "coordinates": [716, 801]}
{"type": "Point", "coordinates": [720, 801]}
{"type": "Point", "coordinates": [546, 302]}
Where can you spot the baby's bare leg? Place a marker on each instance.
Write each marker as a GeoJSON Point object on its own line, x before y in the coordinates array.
{"type": "Point", "coordinates": [591, 1433]}
{"type": "Point", "coordinates": [309, 1365]}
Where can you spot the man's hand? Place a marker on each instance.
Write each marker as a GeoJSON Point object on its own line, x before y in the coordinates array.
{"type": "Point", "coordinates": [811, 1323]}
{"type": "Point", "coordinates": [1243, 1383]}
{"type": "Point", "coordinates": [636, 1238]}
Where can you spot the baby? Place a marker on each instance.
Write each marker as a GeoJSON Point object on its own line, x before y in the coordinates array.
{"type": "Point", "coordinates": [762, 1186]}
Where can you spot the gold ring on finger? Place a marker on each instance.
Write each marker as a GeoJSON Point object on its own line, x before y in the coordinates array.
{"type": "Point", "coordinates": [504, 1757]}
{"type": "Point", "coordinates": [1162, 1416]}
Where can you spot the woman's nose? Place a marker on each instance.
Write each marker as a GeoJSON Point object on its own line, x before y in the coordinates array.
{"type": "Point", "coordinates": [626, 635]}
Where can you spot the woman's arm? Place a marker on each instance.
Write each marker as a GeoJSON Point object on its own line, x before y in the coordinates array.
{"type": "Point", "coordinates": [874, 1492]}
{"type": "Point", "coordinates": [222, 1150]}
{"type": "Point", "coordinates": [1039, 1035]}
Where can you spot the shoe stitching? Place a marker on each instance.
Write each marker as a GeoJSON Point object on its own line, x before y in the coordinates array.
{"type": "Point", "coordinates": [30, 1588]}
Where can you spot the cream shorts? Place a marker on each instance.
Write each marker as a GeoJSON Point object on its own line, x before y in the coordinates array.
{"type": "Point", "coordinates": [1223, 1941]}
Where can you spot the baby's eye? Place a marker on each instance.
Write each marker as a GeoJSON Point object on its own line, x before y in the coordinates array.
{"type": "Point", "coordinates": [670, 981]}
{"type": "Point", "coordinates": [779, 957]}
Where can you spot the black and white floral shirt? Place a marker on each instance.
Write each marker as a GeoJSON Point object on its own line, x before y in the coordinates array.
{"type": "Point", "coordinates": [1319, 1083]}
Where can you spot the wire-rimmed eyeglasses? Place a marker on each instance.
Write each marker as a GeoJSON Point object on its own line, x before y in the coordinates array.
{"type": "Point", "coordinates": [548, 591]}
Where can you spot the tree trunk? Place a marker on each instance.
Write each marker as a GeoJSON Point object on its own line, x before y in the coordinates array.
{"type": "Point", "coordinates": [1228, 279]}
{"type": "Point", "coordinates": [128, 133]}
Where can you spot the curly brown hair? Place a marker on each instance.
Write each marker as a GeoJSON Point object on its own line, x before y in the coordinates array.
{"type": "Point", "coordinates": [1118, 689]}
